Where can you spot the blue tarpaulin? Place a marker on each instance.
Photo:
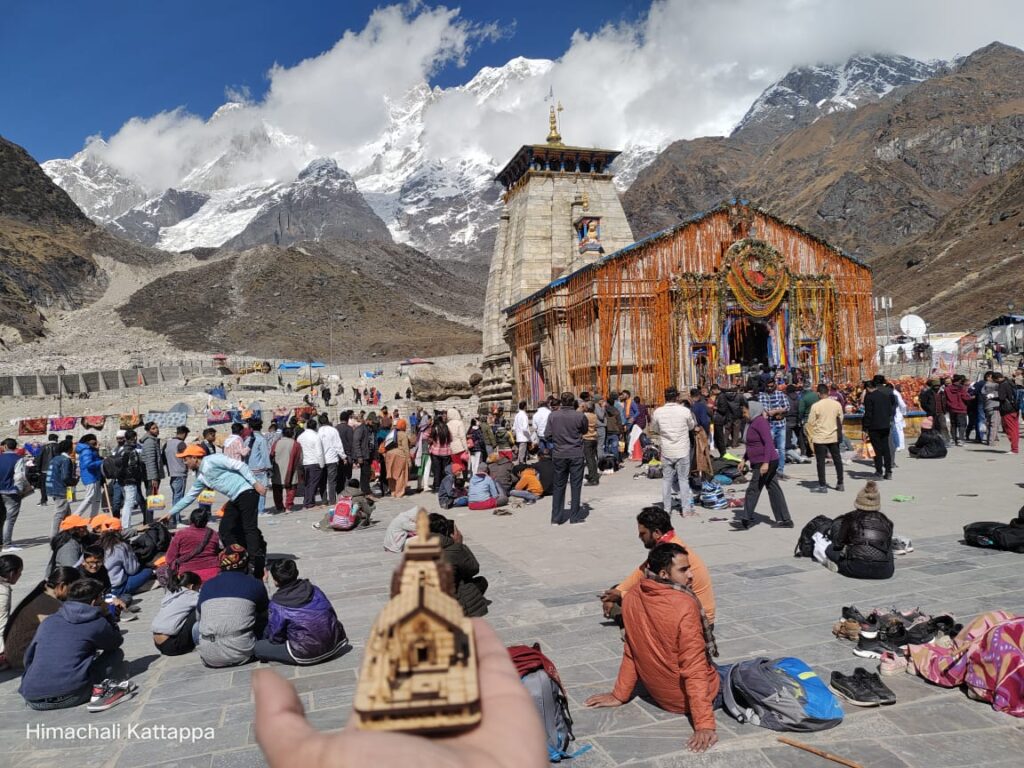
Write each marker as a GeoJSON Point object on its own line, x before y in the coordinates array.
{"type": "Point", "coordinates": [299, 366]}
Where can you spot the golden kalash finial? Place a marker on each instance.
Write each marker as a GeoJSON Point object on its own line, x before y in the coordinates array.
{"type": "Point", "coordinates": [554, 137]}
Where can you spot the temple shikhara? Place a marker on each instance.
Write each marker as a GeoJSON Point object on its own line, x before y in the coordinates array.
{"type": "Point", "coordinates": [573, 304]}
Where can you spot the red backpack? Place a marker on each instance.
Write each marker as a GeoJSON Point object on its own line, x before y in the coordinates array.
{"type": "Point", "coordinates": [343, 518]}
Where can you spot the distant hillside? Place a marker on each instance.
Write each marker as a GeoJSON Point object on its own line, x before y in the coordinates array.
{"type": "Point", "coordinates": [277, 302]}
{"type": "Point", "coordinates": [969, 269]}
{"type": "Point", "coordinates": [867, 179]}
{"type": "Point", "coordinates": [46, 248]}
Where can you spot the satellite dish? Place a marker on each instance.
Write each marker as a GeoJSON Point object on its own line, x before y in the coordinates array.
{"type": "Point", "coordinates": [912, 325]}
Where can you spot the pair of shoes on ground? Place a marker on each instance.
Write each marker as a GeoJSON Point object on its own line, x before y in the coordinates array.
{"type": "Point", "coordinates": [110, 693]}
{"type": "Point", "coordinates": [746, 525]}
{"type": "Point", "coordinates": [501, 512]}
{"type": "Point", "coordinates": [862, 688]}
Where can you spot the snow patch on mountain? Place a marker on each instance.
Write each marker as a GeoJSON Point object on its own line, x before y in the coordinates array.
{"type": "Point", "coordinates": [808, 93]}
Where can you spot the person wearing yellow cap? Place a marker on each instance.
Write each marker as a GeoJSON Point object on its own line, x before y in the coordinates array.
{"type": "Point", "coordinates": [234, 479]}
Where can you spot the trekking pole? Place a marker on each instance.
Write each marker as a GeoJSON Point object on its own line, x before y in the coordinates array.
{"type": "Point", "coordinates": [106, 493]}
{"type": "Point", "coordinates": [820, 752]}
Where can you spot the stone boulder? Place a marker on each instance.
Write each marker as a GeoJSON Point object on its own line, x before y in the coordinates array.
{"type": "Point", "coordinates": [439, 382]}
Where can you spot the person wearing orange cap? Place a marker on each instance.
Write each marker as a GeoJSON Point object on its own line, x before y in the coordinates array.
{"type": "Point", "coordinates": [234, 479]}
{"type": "Point", "coordinates": [71, 540]}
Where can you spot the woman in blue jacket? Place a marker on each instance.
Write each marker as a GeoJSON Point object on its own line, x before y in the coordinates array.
{"type": "Point", "coordinates": [303, 627]}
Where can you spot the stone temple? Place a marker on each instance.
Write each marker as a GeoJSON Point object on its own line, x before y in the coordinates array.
{"type": "Point", "coordinates": [574, 304]}
{"type": "Point", "coordinates": [561, 212]}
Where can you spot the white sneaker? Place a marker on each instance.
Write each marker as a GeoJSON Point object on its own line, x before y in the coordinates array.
{"type": "Point", "coordinates": [10, 548]}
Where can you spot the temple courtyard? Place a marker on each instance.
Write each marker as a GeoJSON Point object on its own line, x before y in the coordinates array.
{"type": "Point", "coordinates": [544, 582]}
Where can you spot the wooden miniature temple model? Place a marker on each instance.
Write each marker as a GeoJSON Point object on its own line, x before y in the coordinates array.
{"type": "Point", "coordinates": [419, 672]}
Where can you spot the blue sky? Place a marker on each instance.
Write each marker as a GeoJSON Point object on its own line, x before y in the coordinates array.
{"type": "Point", "coordinates": [73, 68]}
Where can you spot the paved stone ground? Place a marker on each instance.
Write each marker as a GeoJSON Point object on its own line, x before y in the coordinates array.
{"type": "Point", "coordinates": [543, 583]}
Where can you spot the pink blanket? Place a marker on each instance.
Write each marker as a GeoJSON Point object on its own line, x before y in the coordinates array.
{"type": "Point", "coordinates": [987, 656]}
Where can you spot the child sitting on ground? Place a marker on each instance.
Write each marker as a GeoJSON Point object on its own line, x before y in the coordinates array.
{"type": "Point", "coordinates": [484, 494]}
{"type": "Point", "coordinates": [61, 666]}
{"type": "Point", "coordinates": [231, 611]}
{"type": "Point", "coordinates": [172, 625]}
{"type": "Point", "coordinates": [11, 567]}
{"type": "Point", "coordinates": [352, 509]}
{"type": "Point", "coordinates": [529, 486]}
{"type": "Point", "coordinates": [303, 627]}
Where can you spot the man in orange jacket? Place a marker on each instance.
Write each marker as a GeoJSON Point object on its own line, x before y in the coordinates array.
{"type": "Point", "coordinates": [669, 646]}
{"type": "Point", "coordinates": [654, 526]}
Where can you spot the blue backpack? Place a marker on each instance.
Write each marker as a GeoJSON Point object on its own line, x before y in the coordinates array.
{"type": "Point", "coordinates": [780, 694]}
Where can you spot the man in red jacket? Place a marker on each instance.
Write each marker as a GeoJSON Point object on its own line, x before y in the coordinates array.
{"type": "Point", "coordinates": [669, 646]}
{"type": "Point", "coordinates": [958, 397]}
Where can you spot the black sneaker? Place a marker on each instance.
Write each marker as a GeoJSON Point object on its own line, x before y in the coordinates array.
{"type": "Point", "coordinates": [840, 488]}
{"type": "Point", "coordinates": [854, 690]}
{"type": "Point", "coordinates": [873, 682]}
{"type": "Point", "coordinates": [783, 524]}
{"type": "Point", "coordinates": [870, 645]}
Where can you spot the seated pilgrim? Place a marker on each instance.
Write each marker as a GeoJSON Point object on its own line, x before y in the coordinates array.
{"type": "Point", "coordinates": [860, 544]}
{"type": "Point", "coordinates": [669, 646]}
{"type": "Point", "coordinates": [930, 444]}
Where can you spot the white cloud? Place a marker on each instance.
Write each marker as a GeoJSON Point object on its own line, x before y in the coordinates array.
{"type": "Point", "coordinates": [688, 68]}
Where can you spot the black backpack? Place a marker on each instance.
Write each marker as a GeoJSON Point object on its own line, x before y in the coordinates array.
{"type": "Point", "coordinates": [151, 543]}
{"type": "Point", "coordinates": [805, 544]}
{"type": "Point", "coordinates": [988, 535]}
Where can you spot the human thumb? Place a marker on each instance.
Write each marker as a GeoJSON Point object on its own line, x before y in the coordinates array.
{"type": "Point", "coordinates": [280, 719]}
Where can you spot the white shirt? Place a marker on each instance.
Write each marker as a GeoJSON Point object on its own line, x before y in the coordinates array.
{"type": "Point", "coordinates": [673, 422]}
{"type": "Point", "coordinates": [330, 440]}
{"type": "Point", "coordinates": [540, 420]}
{"type": "Point", "coordinates": [312, 449]}
{"type": "Point", "coordinates": [521, 426]}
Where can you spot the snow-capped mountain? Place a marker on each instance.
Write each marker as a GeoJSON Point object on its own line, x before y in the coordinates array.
{"type": "Point", "coordinates": [808, 93]}
{"type": "Point", "coordinates": [246, 188]}
{"type": "Point", "coordinates": [99, 189]}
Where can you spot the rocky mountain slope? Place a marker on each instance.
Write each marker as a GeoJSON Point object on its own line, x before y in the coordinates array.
{"type": "Point", "coordinates": [969, 268]}
{"type": "Point", "coordinates": [277, 302]}
{"type": "Point", "coordinates": [867, 179]}
{"type": "Point", "coordinates": [47, 248]}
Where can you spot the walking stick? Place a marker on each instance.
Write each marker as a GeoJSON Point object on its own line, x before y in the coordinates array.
{"type": "Point", "coordinates": [106, 494]}
{"type": "Point", "coordinates": [819, 752]}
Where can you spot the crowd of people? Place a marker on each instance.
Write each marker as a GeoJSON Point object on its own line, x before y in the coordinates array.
{"type": "Point", "coordinates": [65, 634]}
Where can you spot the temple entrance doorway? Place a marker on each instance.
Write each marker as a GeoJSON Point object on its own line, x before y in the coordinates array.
{"type": "Point", "coordinates": [749, 342]}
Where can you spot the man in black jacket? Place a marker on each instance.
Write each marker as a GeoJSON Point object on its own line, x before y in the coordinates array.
{"type": "Point", "coordinates": [1009, 411]}
{"type": "Point", "coordinates": [347, 435]}
{"type": "Point", "coordinates": [43, 463]}
{"type": "Point", "coordinates": [362, 453]}
{"type": "Point", "coordinates": [878, 415]}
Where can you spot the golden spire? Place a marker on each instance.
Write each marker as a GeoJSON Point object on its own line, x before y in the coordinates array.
{"type": "Point", "coordinates": [554, 137]}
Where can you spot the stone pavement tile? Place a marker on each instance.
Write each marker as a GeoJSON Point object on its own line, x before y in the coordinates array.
{"type": "Point", "coordinates": [325, 680]}
{"type": "Point", "coordinates": [243, 713]}
{"type": "Point", "coordinates": [95, 754]}
{"type": "Point", "coordinates": [600, 720]}
{"type": "Point", "coordinates": [768, 572]}
{"type": "Point", "coordinates": [748, 647]}
{"type": "Point", "coordinates": [938, 717]}
{"type": "Point", "coordinates": [951, 750]}
{"type": "Point", "coordinates": [595, 757]}
{"type": "Point", "coordinates": [629, 746]}
{"type": "Point", "coordinates": [327, 698]}
{"type": "Point", "coordinates": [942, 569]}
{"type": "Point", "coordinates": [715, 758]}
{"type": "Point", "coordinates": [137, 753]}
{"type": "Point", "coordinates": [194, 761]}
{"type": "Point", "coordinates": [578, 597]}
{"type": "Point", "coordinates": [866, 753]}
{"type": "Point", "coordinates": [250, 757]}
